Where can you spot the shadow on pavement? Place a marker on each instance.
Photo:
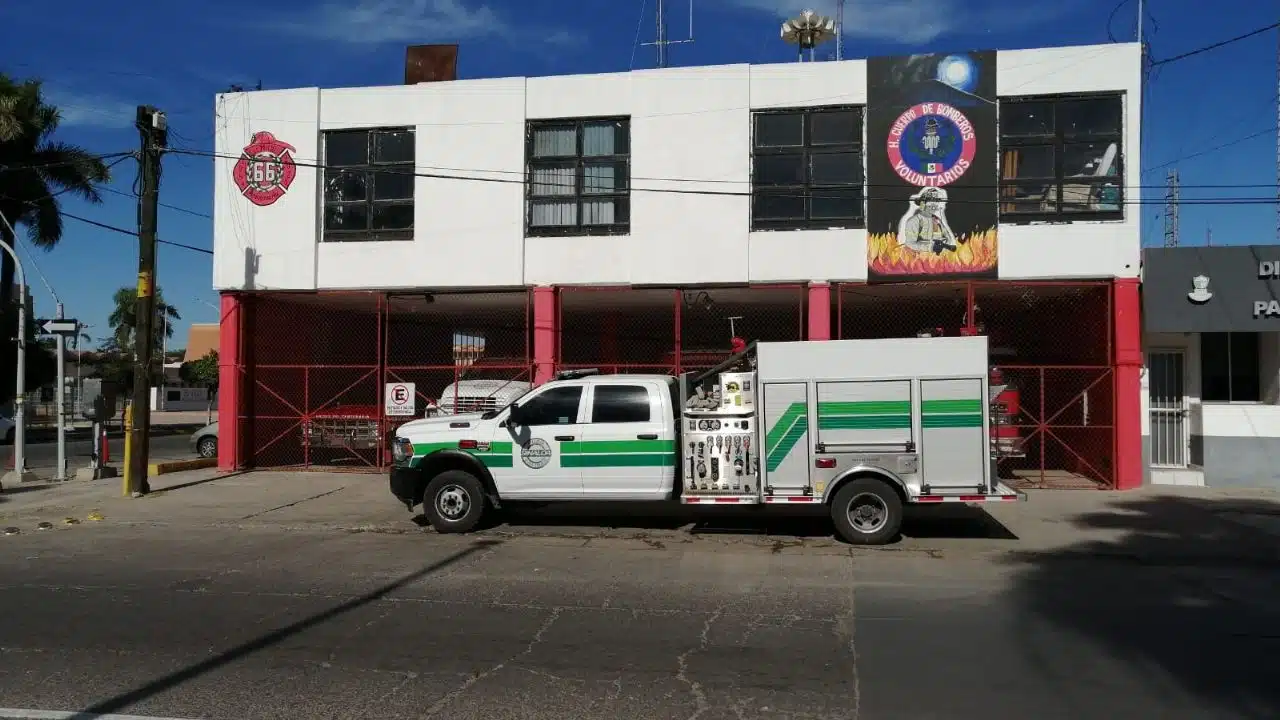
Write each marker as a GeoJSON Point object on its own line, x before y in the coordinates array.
{"type": "Point", "coordinates": [1188, 589]}
{"type": "Point", "coordinates": [168, 682]}
{"type": "Point", "coordinates": [957, 521]}
{"type": "Point", "coordinates": [16, 489]}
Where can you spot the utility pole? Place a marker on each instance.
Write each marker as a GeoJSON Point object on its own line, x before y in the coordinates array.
{"type": "Point", "coordinates": [60, 473]}
{"type": "Point", "coordinates": [153, 132]}
{"type": "Point", "coordinates": [20, 382]}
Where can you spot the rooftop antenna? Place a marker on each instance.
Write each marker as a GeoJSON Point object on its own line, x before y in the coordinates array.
{"type": "Point", "coordinates": [807, 31]}
{"type": "Point", "coordinates": [660, 41]}
{"type": "Point", "coordinates": [839, 29]}
{"type": "Point", "coordinates": [1171, 198]}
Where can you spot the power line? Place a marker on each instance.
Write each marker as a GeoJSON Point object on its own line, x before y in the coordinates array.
{"type": "Point", "coordinates": [729, 193]}
{"type": "Point", "coordinates": [1215, 46]}
{"type": "Point", "coordinates": [195, 213]}
{"type": "Point", "coordinates": [432, 171]}
{"type": "Point", "coordinates": [134, 234]}
{"type": "Point", "coordinates": [1213, 149]}
{"type": "Point", "coordinates": [37, 166]}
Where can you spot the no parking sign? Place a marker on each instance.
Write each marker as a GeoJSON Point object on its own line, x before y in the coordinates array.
{"type": "Point", "coordinates": [400, 400]}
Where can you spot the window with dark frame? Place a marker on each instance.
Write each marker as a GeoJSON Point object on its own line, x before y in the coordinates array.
{"type": "Point", "coordinates": [1061, 158]}
{"type": "Point", "coordinates": [620, 404]}
{"type": "Point", "coordinates": [806, 169]}
{"type": "Point", "coordinates": [1230, 367]}
{"type": "Point", "coordinates": [368, 184]}
{"type": "Point", "coordinates": [579, 180]}
{"type": "Point", "coordinates": [556, 406]}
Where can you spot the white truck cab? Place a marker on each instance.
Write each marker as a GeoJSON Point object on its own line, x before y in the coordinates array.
{"type": "Point", "coordinates": [863, 426]}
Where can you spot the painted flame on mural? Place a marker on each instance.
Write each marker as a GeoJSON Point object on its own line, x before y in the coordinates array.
{"type": "Point", "coordinates": [886, 257]}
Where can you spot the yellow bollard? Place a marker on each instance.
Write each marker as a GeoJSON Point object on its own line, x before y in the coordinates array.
{"type": "Point", "coordinates": [128, 451]}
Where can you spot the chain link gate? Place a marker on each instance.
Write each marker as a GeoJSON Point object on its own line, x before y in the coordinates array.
{"type": "Point", "coordinates": [669, 331]}
{"type": "Point", "coordinates": [1051, 353]}
{"type": "Point", "coordinates": [313, 384]}
{"type": "Point", "coordinates": [463, 352]}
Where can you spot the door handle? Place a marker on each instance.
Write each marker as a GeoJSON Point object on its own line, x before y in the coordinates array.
{"type": "Point", "coordinates": [564, 438]}
{"type": "Point", "coordinates": [647, 436]}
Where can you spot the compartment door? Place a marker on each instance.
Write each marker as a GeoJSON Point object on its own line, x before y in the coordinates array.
{"type": "Point", "coordinates": [870, 414]}
{"type": "Point", "coordinates": [954, 442]}
{"type": "Point", "coordinates": [785, 458]}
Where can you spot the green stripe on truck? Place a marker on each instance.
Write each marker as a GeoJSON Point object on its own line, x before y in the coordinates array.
{"type": "Point", "coordinates": [617, 453]}
{"type": "Point", "coordinates": [660, 459]}
{"type": "Point", "coordinates": [865, 407]}
{"type": "Point", "coordinates": [951, 406]}
{"type": "Point", "coordinates": [497, 456]}
{"type": "Point", "coordinates": [785, 433]}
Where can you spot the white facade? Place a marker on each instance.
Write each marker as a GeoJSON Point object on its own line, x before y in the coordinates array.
{"type": "Point", "coordinates": [690, 129]}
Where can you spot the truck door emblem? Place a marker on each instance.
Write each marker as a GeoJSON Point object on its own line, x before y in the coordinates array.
{"type": "Point", "coordinates": [536, 453]}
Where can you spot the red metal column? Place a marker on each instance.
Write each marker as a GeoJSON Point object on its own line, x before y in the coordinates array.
{"type": "Point", "coordinates": [819, 311]}
{"type": "Point", "coordinates": [230, 383]}
{"type": "Point", "coordinates": [544, 334]}
{"type": "Point", "coordinates": [1127, 316]}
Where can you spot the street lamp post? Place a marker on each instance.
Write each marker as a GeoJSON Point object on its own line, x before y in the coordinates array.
{"type": "Point", "coordinates": [20, 382]}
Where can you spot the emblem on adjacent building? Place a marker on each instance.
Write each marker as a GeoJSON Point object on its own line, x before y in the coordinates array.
{"type": "Point", "coordinates": [536, 453]}
{"type": "Point", "coordinates": [1200, 289]}
{"type": "Point", "coordinates": [265, 169]}
{"type": "Point", "coordinates": [931, 144]}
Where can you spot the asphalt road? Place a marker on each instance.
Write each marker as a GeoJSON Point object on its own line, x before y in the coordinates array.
{"type": "Point", "coordinates": [248, 623]}
{"type": "Point", "coordinates": [45, 455]}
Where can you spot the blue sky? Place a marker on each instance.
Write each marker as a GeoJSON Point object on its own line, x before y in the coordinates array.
{"type": "Point", "coordinates": [99, 60]}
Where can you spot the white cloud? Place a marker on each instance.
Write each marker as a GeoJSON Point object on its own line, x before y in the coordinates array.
{"type": "Point", "coordinates": [368, 22]}
{"type": "Point", "coordinates": [916, 21]}
{"type": "Point", "coordinates": [90, 109]}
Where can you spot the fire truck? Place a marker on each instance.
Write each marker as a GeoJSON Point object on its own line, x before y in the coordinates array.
{"type": "Point", "coordinates": [862, 427]}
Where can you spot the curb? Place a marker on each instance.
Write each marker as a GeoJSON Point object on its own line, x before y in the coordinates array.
{"type": "Point", "coordinates": [173, 466]}
{"type": "Point", "coordinates": [43, 435]}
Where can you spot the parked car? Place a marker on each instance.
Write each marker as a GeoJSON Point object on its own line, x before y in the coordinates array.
{"type": "Point", "coordinates": [204, 442]}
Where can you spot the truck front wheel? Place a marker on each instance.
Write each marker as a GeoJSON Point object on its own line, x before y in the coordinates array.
{"type": "Point", "coordinates": [867, 511]}
{"type": "Point", "coordinates": [454, 501]}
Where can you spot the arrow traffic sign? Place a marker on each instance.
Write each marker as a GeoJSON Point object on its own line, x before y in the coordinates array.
{"type": "Point", "coordinates": [59, 327]}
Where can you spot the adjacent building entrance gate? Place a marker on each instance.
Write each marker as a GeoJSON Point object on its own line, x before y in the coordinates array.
{"type": "Point", "coordinates": [1166, 380]}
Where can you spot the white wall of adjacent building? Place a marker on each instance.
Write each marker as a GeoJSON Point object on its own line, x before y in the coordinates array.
{"type": "Point", "coordinates": [690, 130]}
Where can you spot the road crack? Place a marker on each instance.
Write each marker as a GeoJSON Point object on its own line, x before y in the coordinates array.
{"type": "Point", "coordinates": [682, 665]}
{"type": "Point", "coordinates": [449, 697]}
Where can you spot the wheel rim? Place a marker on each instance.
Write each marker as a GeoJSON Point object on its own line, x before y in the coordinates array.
{"type": "Point", "coordinates": [868, 513]}
{"type": "Point", "coordinates": [453, 502]}
{"type": "Point", "coordinates": [207, 448]}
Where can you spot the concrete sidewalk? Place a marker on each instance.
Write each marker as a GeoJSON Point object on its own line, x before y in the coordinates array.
{"type": "Point", "coordinates": [1182, 525]}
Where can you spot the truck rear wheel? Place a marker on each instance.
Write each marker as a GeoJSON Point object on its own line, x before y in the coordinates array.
{"type": "Point", "coordinates": [454, 501]}
{"type": "Point", "coordinates": [867, 511]}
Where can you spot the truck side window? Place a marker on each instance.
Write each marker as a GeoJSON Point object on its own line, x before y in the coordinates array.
{"type": "Point", "coordinates": [620, 404]}
{"type": "Point", "coordinates": [557, 406]}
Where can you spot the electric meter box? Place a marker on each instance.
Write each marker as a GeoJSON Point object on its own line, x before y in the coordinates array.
{"type": "Point", "coordinates": [738, 391]}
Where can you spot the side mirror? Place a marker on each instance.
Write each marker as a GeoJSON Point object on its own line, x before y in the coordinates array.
{"type": "Point", "coordinates": [513, 415]}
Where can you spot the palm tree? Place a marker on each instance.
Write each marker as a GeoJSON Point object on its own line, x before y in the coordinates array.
{"type": "Point", "coordinates": [123, 319]}
{"type": "Point", "coordinates": [35, 170]}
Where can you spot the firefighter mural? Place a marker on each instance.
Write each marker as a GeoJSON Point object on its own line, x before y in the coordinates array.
{"type": "Point", "coordinates": [932, 169]}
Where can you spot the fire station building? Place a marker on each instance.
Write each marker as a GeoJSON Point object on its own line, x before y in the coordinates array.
{"type": "Point", "coordinates": [500, 229]}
